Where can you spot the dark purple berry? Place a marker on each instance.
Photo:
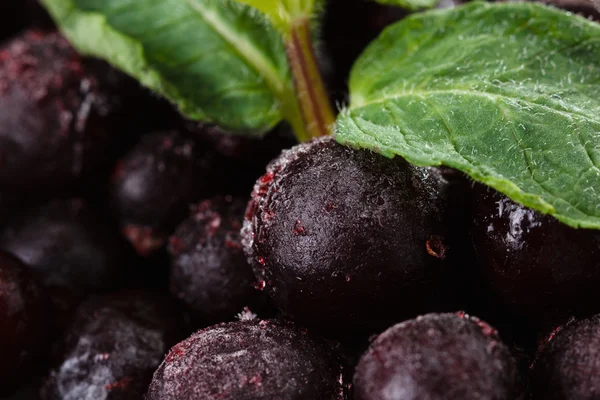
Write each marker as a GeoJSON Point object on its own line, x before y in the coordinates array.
{"type": "Point", "coordinates": [113, 346]}
{"type": "Point", "coordinates": [69, 249]}
{"type": "Point", "coordinates": [54, 114]}
{"type": "Point", "coordinates": [531, 263]}
{"type": "Point", "coordinates": [209, 272]}
{"type": "Point", "coordinates": [24, 322]}
{"type": "Point", "coordinates": [248, 360]}
{"type": "Point", "coordinates": [438, 357]}
{"type": "Point", "coordinates": [567, 366]}
{"type": "Point", "coordinates": [153, 186]}
{"type": "Point", "coordinates": [347, 241]}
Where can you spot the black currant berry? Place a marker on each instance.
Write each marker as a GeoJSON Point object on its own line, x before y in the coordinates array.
{"type": "Point", "coordinates": [154, 184]}
{"type": "Point", "coordinates": [54, 114]}
{"type": "Point", "coordinates": [347, 241]}
{"type": "Point", "coordinates": [209, 272]}
{"type": "Point", "coordinates": [531, 263]}
{"type": "Point", "coordinates": [438, 357]}
{"type": "Point", "coordinates": [69, 249]}
{"type": "Point", "coordinates": [567, 366]}
{"type": "Point", "coordinates": [23, 322]}
{"type": "Point", "coordinates": [113, 346]}
{"type": "Point", "coordinates": [246, 360]}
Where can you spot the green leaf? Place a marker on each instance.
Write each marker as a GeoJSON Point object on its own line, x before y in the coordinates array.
{"type": "Point", "coordinates": [283, 13]}
{"type": "Point", "coordinates": [508, 93]}
{"type": "Point", "coordinates": [274, 10]}
{"type": "Point", "coordinates": [218, 60]}
{"type": "Point", "coordinates": [411, 4]}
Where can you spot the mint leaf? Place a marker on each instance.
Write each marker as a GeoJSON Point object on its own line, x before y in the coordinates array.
{"type": "Point", "coordinates": [274, 10]}
{"type": "Point", "coordinates": [283, 14]}
{"type": "Point", "coordinates": [508, 93]}
{"type": "Point", "coordinates": [411, 4]}
{"type": "Point", "coordinates": [218, 60]}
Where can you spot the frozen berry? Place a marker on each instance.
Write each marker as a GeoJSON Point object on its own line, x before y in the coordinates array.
{"type": "Point", "coordinates": [568, 364]}
{"type": "Point", "coordinates": [209, 272]}
{"type": "Point", "coordinates": [250, 360]}
{"type": "Point", "coordinates": [113, 346]}
{"type": "Point", "coordinates": [153, 186]}
{"type": "Point", "coordinates": [23, 322]}
{"type": "Point", "coordinates": [347, 241]}
{"type": "Point", "coordinates": [54, 125]}
{"type": "Point", "coordinates": [68, 248]}
{"type": "Point", "coordinates": [532, 264]}
{"type": "Point", "coordinates": [438, 357]}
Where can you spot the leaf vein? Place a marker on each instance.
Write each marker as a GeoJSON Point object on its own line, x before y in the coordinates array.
{"type": "Point", "coordinates": [243, 47]}
{"type": "Point", "coordinates": [494, 97]}
{"type": "Point", "coordinates": [448, 129]}
{"type": "Point", "coordinates": [528, 161]}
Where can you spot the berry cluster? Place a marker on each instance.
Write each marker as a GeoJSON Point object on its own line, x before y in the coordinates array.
{"type": "Point", "coordinates": [126, 231]}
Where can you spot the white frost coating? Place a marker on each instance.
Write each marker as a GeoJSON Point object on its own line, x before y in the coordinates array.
{"type": "Point", "coordinates": [520, 219]}
{"type": "Point", "coordinates": [500, 207]}
{"type": "Point", "coordinates": [398, 388]}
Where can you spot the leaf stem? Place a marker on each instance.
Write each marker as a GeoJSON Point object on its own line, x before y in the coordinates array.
{"type": "Point", "coordinates": [316, 112]}
{"type": "Point", "coordinates": [290, 108]}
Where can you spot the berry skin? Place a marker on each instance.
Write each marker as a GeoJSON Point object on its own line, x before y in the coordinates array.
{"type": "Point", "coordinates": [249, 360]}
{"type": "Point", "coordinates": [347, 241]}
{"type": "Point", "coordinates": [209, 272]}
{"type": "Point", "coordinates": [113, 346]}
{"type": "Point", "coordinates": [567, 366]}
{"type": "Point", "coordinates": [531, 263]}
{"type": "Point", "coordinates": [23, 318]}
{"type": "Point", "coordinates": [438, 357]}
{"type": "Point", "coordinates": [69, 249]}
{"type": "Point", "coordinates": [153, 186]}
{"type": "Point", "coordinates": [55, 117]}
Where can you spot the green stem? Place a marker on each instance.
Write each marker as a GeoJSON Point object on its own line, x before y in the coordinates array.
{"type": "Point", "coordinates": [293, 115]}
{"type": "Point", "coordinates": [317, 115]}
